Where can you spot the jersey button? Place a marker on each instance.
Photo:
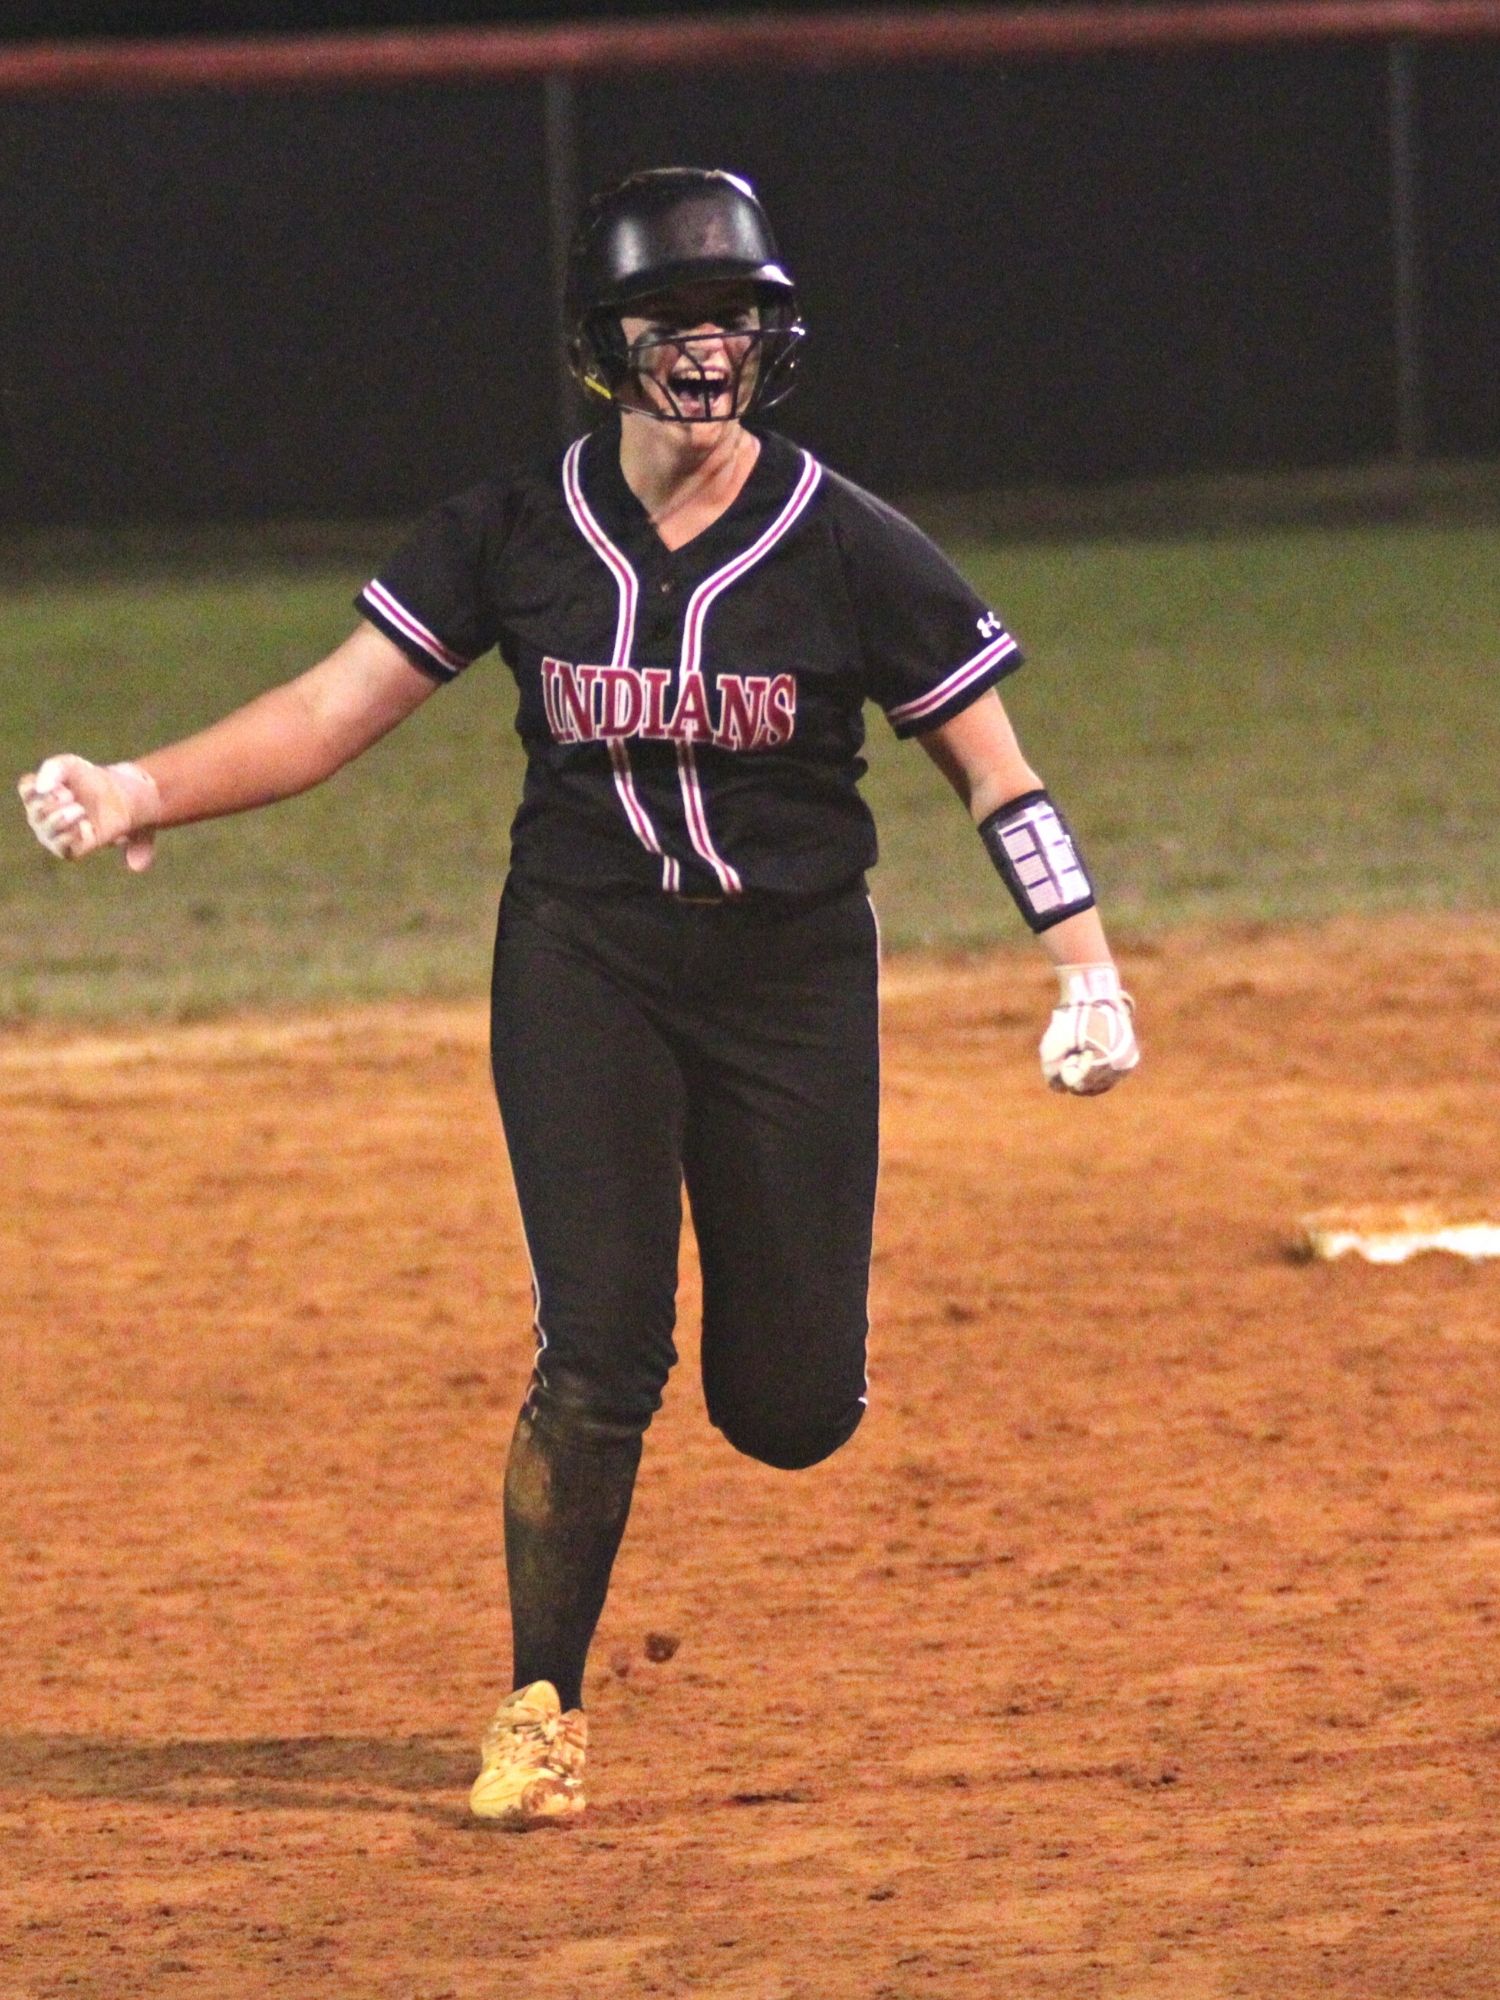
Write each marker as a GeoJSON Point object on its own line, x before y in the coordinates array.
{"type": "Point", "coordinates": [667, 585]}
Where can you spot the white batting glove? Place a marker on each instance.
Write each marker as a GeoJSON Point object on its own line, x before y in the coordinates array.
{"type": "Point", "coordinates": [74, 808]}
{"type": "Point", "coordinates": [1090, 1040]}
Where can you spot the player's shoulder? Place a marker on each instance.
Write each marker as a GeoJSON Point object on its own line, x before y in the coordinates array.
{"type": "Point", "coordinates": [488, 511]}
{"type": "Point", "coordinates": [507, 486]}
{"type": "Point", "coordinates": [872, 535]}
{"type": "Point", "coordinates": [863, 519]}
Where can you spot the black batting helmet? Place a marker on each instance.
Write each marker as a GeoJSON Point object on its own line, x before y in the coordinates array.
{"type": "Point", "coordinates": [665, 228]}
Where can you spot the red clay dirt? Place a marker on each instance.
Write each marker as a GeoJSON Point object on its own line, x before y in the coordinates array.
{"type": "Point", "coordinates": [1141, 1644]}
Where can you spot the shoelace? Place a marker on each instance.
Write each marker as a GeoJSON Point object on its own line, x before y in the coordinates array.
{"type": "Point", "coordinates": [538, 1735]}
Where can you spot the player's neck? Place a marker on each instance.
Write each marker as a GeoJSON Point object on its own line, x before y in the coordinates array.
{"type": "Point", "coordinates": [685, 475]}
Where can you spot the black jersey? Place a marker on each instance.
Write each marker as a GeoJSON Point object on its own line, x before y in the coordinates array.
{"type": "Point", "coordinates": [693, 719]}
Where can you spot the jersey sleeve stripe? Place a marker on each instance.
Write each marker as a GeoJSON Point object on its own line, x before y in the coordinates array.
{"type": "Point", "coordinates": [392, 611]}
{"type": "Point", "coordinates": [955, 683]}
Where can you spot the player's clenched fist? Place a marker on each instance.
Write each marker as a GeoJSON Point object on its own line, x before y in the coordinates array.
{"type": "Point", "coordinates": [1090, 1041]}
{"type": "Point", "coordinates": [74, 808]}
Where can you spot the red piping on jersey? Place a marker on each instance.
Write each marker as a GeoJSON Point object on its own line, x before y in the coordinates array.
{"type": "Point", "coordinates": [925, 704]}
{"type": "Point", "coordinates": [692, 658]}
{"type": "Point", "coordinates": [414, 629]}
{"type": "Point", "coordinates": [635, 812]}
{"type": "Point", "coordinates": [694, 807]}
{"type": "Point", "coordinates": [605, 549]}
{"type": "Point", "coordinates": [708, 590]}
{"type": "Point", "coordinates": [629, 589]}
{"type": "Point", "coordinates": [697, 822]}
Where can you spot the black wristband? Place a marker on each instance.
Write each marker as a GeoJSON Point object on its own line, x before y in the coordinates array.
{"type": "Point", "coordinates": [1033, 847]}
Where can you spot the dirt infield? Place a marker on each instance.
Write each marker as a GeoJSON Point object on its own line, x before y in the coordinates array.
{"type": "Point", "coordinates": [1142, 1643]}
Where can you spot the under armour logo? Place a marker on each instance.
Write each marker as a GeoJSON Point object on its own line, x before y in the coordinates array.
{"type": "Point", "coordinates": [990, 626]}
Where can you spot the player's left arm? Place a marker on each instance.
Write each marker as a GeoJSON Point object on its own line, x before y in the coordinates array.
{"type": "Point", "coordinates": [1090, 1041]}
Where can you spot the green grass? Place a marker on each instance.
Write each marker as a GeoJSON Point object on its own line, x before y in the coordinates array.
{"type": "Point", "coordinates": [1273, 723]}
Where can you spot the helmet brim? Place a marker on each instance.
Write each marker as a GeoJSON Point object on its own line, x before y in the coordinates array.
{"type": "Point", "coordinates": [693, 271]}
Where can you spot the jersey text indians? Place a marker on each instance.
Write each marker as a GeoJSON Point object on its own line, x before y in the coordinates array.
{"type": "Point", "coordinates": [597, 704]}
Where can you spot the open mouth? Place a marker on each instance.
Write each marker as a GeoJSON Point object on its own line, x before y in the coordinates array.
{"type": "Point", "coordinates": [699, 390]}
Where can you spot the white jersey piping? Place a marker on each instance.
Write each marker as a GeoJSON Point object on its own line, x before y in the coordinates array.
{"type": "Point", "coordinates": [953, 683]}
{"type": "Point", "coordinates": [694, 808]}
{"type": "Point", "coordinates": [628, 585]}
{"type": "Point", "coordinates": [406, 621]}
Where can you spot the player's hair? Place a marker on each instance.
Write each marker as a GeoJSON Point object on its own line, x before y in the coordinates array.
{"type": "Point", "coordinates": [660, 230]}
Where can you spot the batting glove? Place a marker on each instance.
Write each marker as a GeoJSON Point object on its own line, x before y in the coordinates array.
{"type": "Point", "coordinates": [1090, 1040]}
{"type": "Point", "coordinates": [74, 808]}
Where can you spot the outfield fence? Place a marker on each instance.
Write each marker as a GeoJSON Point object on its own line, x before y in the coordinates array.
{"type": "Point", "coordinates": [1264, 233]}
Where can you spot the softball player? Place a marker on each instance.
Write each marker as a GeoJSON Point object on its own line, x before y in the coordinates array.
{"type": "Point", "coordinates": [695, 611]}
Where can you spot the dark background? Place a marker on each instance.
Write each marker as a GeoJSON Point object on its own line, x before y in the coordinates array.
{"type": "Point", "coordinates": [248, 305]}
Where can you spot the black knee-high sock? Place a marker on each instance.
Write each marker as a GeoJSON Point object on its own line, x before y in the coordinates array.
{"type": "Point", "coordinates": [567, 1497]}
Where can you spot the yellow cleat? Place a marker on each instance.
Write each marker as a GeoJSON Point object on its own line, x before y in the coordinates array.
{"type": "Point", "coordinates": [532, 1769]}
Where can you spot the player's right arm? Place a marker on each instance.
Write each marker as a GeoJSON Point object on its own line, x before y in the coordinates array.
{"type": "Point", "coordinates": [284, 742]}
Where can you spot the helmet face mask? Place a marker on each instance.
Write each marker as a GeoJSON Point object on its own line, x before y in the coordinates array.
{"type": "Point", "coordinates": [688, 359]}
{"type": "Point", "coordinates": [693, 362]}
{"type": "Point", "coordinates": [687, 255]}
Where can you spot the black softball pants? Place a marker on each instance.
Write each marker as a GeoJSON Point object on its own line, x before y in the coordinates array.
{"type": "Point", "coordinates": [640, 1042]}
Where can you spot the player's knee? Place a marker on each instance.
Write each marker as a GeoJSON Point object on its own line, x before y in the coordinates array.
{"type": "Point", "coordinates": [583, 1408]}
{"type": "Point", "coordinates": [790, 1447]}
